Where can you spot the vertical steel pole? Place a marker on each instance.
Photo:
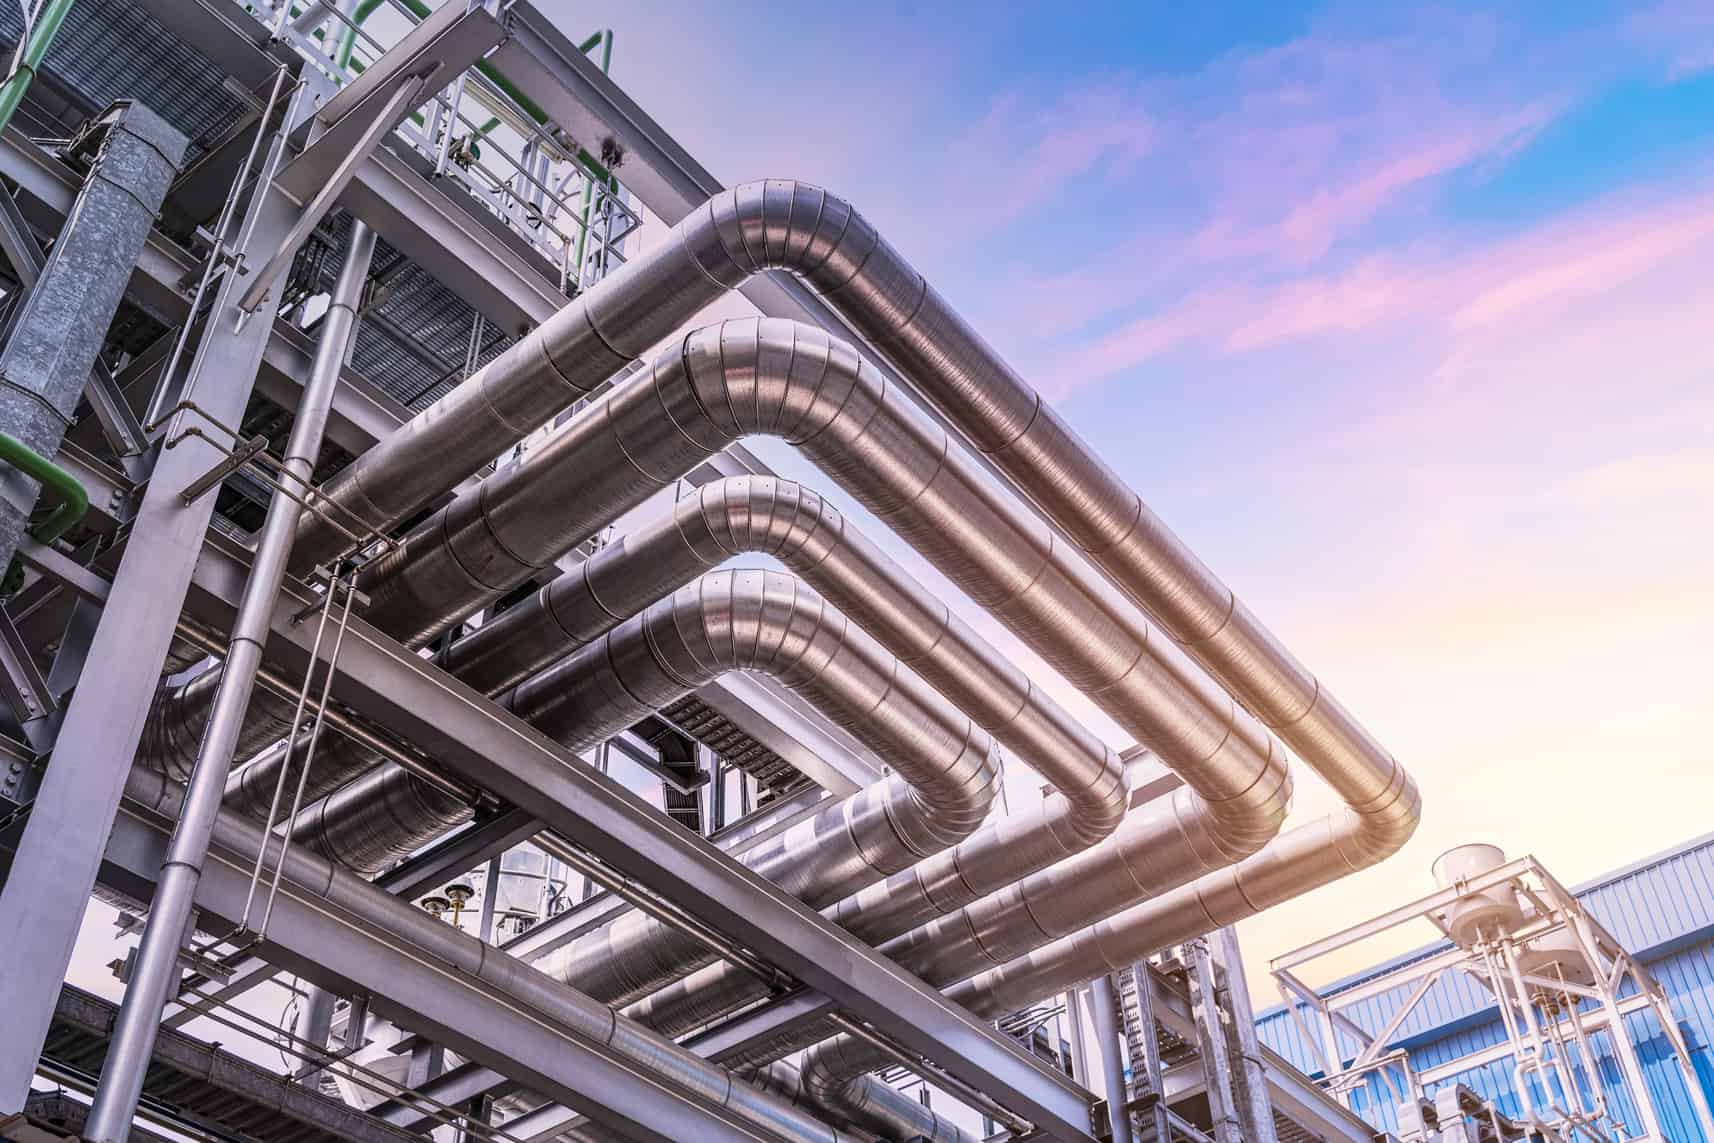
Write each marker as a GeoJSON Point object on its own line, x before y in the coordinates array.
{"type": "Point", "coordinates": [1104, 1007]}
{"type": "Point", "coordinates": [1211, 1044]}
{"type": "Point", "coordinates": [1074, 1029]}
{"type": "Point", "coordinates": [1255, 1110]}
{"type": "Point", "coordinates": [156, 973]}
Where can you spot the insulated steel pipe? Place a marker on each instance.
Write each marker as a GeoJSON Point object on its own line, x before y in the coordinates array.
{"type": "Point", "coordinates": [747, 377]}
{"type": "Point", "coordinates": [795, 227]}
{"type": "Point", "coordinates": [536, 997]}
{"type": "Point", "coordinates": [1299, 860]}
{"type": "Point", "coordinates": [795, 525]}
{"type": "Point", "coordinates": [813, 539]}
{"type": "Point", "coordinates": [1160, 846]}
{"type": "Point", "coordinates": [869, 1100]}
{"type": "Point", "coordinates": [946, 767]}
{"type": "Point", "coordinates": [157, 972]}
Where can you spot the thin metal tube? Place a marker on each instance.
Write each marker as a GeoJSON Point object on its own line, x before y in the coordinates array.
{"type": "Point", "coordinates": [156, 970]}
{"type": "Point", "coordinates": [537, 998]}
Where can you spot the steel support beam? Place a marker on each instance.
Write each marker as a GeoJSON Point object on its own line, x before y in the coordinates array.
{"type": "Point", "coordinates": [313, 938]}
{"type": "Point", "coordinates": [54, 869]}
{"type": "Point", "coordinates": [401, 692]}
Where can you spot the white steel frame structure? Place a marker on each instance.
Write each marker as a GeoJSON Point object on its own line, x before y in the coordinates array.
{"type": "Point", "coordinates": [1548, 1019]}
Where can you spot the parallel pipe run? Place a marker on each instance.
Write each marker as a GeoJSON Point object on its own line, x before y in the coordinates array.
{"type": "Point", "coordinates": [946, 767]}
{"type": "Point", "coordinates": [156, 972]}
{"type": "Point", "coordinates": [315, 879]}
{"type": "Point", "coordinates": [785, 225]}
{"type": "Point", "coordinates": [784, 379]}
{"type": "Point", "coordinates": [793, 524]}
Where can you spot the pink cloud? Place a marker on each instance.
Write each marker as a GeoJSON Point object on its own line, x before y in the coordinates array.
{"type": "Point", "coordinates": [1681, 31]}
{"type": "Point", "coordinates": [1026, 149]}
{"type": "Point", "coordinates": [1267, 163]}
{"type": "Point", "coordinates": [1514, 281]}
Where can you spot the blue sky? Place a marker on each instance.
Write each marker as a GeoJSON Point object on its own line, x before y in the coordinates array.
{"type": "Point", "coordinates": [1399, 316]}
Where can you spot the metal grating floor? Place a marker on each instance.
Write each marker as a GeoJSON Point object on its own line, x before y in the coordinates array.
{"type": "Point", "coordinates": [776, 776]}
{"type": "Point", "coordinates": [111, 49]}
{"type": "Point", "coordinates": [196, 1081]}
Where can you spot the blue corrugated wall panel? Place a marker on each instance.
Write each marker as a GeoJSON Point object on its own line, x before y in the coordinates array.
{"type": "Point", "coordinates": [1662, 909]}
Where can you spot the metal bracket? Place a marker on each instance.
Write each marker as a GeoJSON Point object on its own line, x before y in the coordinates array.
{"type": "Point", "coordinates": [22, 684]}
{"type": "Point", "coordinates": [236, 459]}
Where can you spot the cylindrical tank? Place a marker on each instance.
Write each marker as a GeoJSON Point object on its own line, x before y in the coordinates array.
{"type": "Point", "coordinates": [1488, 913]}
{"type": "Point", "coordinates": [1557, 956]}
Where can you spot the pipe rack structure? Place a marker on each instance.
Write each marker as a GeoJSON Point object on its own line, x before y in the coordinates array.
{"type": "Point", "coordinates": [542, 601]}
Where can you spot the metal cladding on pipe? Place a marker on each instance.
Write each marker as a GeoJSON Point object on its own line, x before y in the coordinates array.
{"type": "Point", "coordinates": [179, 718]}
{"type": "Point", "coordinates": [783, 519]}
{"type": "Point", "coordinates": [542, 998]}
{"type": "Point", "coordinates": [1298, 861]}
{"type": "Point", "coordinates": [947, 768]}
{"type": "Point", "coordinates": [382, 817]}
{"type": "Point", "coordinates": [792, 226]}
{"type": "Point", "coordinates": [1160, 846]}
{"type": "Point", "coordinates": [748, 377]}
{"type": "Point", "coordinates": [793, 524]}
{"type": "Point", "coordinates": [887, 1109]}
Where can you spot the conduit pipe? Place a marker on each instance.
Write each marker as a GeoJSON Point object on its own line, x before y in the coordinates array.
{"type": "Point", "coordinates": [575, 1014]}
{"type": "Point", "coordinates": [784, 379]}
{"type": "Point", "coordinates": [1298, 861]}
{"type": "Point", "coordinates": [867, 1099]}
{"type": "Point", "coordinates": [813, 539]}
{"type": "Point", "coordinates": [792, 226]}
{"type": "Point", "coordinates": [1155, 850]}
{"type": "Point", "coordinates": [946, 766]}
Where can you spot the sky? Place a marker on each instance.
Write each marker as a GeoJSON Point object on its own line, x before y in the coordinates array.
{"type": "Point", "coordinates": [1399, 317]}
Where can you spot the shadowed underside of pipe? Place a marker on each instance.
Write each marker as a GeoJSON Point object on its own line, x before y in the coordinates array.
{"type": "Point", "coordinates": [795, 227]}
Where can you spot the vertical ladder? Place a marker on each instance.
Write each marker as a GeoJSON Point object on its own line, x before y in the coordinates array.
{"type": "Point", "coordinates": [1145, 1097]}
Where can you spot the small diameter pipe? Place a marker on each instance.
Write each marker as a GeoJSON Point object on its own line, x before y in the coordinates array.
{"type": "Point", "coordinates": [74, 500]}
{"type": "Point", "coordinates": [156, 970]}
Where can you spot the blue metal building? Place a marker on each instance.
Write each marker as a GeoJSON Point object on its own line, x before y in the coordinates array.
{"type": "Point", "coordinates": [1661, 908]}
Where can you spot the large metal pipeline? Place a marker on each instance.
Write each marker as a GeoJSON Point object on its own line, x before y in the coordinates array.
{"type": "Point", "coordinates": [747, 377]}
{"type": "Point", "coordinates": [801, 529]}
{"type": "Point", "coordinates": [795, 227]}
{"type": "Point", "coordinates": [945, 766]}
{"type": "Point", "coordinates": [864, 1099]}
{"type": "Point", "coordinates": [1305, 858]}
{"type": "Point", "coordinates": [545, 999]}
{"type": "Point", "coordinates": [1154, 851]}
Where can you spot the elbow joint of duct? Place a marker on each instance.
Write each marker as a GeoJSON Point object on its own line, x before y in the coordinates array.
{"type": "Point", "coordinates": [946, 767]}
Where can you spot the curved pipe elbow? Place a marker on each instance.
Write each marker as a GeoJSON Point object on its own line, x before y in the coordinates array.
{"type": "Point", "coordinates": [771, 623]}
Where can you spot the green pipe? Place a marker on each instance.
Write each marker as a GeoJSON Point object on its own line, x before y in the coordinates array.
{"type": "Point", "coordinates": [348, 44]}
{"type": "Point", "coordinates": [605, 39]}
{"type": "Point", "coordinates": [74, 501]}
{"type": "Point", "coordinates": [36, 46]}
